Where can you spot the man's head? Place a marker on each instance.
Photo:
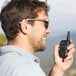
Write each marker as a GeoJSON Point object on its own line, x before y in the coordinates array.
{"type": "Point", "coordinates": [15, 11]}
{"type": "Point", "coordinates": [20, 12]}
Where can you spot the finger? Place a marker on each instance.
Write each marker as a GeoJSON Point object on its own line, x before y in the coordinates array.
{"type": "Point", "coordinates": [69, 58]}
{"type": "Point", "coordinates": [56, 54]}
{"type": "Point", "coordinates": [56, 50]}
{"type": "Point", "coordinates": [71, 40]}
{"type": "Point", "coordinates": [70, 46]}
{"type": "Point", "coordinates": [71, 51]}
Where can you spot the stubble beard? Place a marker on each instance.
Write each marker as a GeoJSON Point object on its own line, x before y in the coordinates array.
{"type": "Point", "coordinates": [38, 45]}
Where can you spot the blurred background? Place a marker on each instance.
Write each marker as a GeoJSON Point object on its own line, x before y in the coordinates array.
{"type": "Point", "coordinates": [62, 18]}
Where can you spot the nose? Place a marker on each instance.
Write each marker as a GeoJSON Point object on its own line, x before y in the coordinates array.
{"type": "Point", "coordinates": [48, 30]}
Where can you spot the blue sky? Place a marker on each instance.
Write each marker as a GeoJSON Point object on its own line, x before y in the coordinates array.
{"type": "Point", "coordinates": [62, 15]}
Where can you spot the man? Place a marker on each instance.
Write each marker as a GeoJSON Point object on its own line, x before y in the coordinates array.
{"type": "Point", "coordinates": [25, 23]}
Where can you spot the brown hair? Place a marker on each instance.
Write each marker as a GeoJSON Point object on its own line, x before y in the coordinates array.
{"type": "Point", "coordinates": [15, 11]}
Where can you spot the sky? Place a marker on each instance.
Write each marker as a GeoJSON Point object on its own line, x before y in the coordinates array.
{"type": "Point", "coordinates": [62, 15]}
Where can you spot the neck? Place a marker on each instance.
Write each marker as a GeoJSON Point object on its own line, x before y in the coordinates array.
{"type": "Point", "coordinates": [22, 43]}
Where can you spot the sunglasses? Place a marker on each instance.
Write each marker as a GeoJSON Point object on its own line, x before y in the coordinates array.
{"type": "Point", "coordinates": [45, 21]}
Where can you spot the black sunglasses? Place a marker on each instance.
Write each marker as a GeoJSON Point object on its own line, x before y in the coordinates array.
{"type": "Point", "coordinates": [45, 21]}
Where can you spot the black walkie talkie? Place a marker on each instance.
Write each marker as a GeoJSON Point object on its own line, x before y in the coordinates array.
{"type": "Point", "coordinates": [63, 46]}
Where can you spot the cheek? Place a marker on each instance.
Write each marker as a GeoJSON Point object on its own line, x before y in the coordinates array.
{"type": "Point", "coordinates": [39, 30]}
{"type": "Point", "coordinates": [39, 27]}
{"type": "Point", "coordinates": [38, 34]}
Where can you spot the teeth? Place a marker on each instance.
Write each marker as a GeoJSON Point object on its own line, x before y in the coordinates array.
{"type": "Point", "coordinates": [44, 38]}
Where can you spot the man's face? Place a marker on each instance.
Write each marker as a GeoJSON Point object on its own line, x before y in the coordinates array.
{"type": "Point", "coordinates": [38, 33]}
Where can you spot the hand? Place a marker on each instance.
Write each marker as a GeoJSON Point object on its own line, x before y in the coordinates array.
{"type": "Point", "coordinates": [67, 61]}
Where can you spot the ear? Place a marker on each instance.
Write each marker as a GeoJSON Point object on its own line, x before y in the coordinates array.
{"type": "Point", "coordinates": [23, 26]}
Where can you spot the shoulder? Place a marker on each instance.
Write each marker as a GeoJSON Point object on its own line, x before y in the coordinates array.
{"type": "Point", "coordinates": [12, 63]}
{"type": "Point", "coordinates": [12, 58]}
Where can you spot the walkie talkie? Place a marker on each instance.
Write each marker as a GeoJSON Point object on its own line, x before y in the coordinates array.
{"type": "Point", "coordinates": [63, 46]}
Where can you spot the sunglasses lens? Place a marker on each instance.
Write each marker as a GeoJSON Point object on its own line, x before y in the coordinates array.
{"type": "Point", "coordinates": [46, 24]}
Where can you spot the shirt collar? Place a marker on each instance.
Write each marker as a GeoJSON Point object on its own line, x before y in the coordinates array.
{"type": "Point", "coordinates": [24, 53]}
